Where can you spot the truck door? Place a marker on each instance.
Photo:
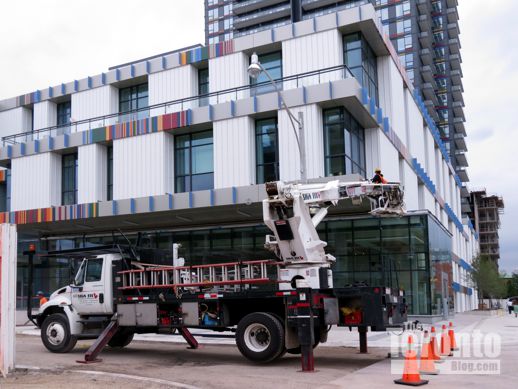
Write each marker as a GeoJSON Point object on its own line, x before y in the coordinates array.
{"type": "Point", "coordinates": [88, 296]}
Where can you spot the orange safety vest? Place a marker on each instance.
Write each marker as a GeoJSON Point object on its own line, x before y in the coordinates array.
{"type": "Point", "coordinates": [383, 180]}
{"type": "Point", "coordinates": [43, 300]}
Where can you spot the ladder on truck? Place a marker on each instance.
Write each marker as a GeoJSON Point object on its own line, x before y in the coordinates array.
{"type": "Point", "coordinates": [231, 275]}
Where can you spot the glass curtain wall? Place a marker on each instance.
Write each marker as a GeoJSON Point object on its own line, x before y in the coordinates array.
{"type": "Point", "coordinates": [344, 143]}
{"type": "Point", "coordinates": [272, 62]}
{"type": "Point", "coordinates": [132, 102]}
{"type": "Point", "coordinates": [109, 180]}
{"type": "Point", "coordinates": [203, 86]}
{"type": "Point", "coordinates": [64, 113]}
{"type": "Point", "coordinates": [266, 150]}
{"type": "Point", "coordinates": [411, 253]}
{"type": "Point", "coordinates": [69, 179]}
{"type": "Point", "coordinates": [194, 162]}
{"type": "Point", "coordinates": [361, 61]}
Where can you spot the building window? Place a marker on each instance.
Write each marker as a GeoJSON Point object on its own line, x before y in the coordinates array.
{"type": "Point", "coordinates": [69, 179]}
{"type": "Point", "coordinates": [361, 61]}
{"type": "Point", "coordinates": [203, 86]}
{"type": "Point", "coordinates": [266, 150]}
{"type": "Point", "coordinates": [272, 62]}
{"type": "Point", "coordinates": [64, 111]}
{"type": "Point", "coordinates": [109, 187]}
{"type": "Point", "coordinates": [3, 197]}
{"type": "Point", "coordinates": [134, 98]}
{"type": "Point", "coordinates": [344, 143]}
{"type": "Point", "coordinates": [194, 162]}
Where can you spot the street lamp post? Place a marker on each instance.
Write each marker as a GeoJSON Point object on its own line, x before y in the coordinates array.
{"type": "Point", "coordinates": [254, 70]}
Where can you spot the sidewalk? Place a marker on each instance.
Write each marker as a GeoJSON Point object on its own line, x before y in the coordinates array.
{"type": "Point", "coordinates": [504, 326]}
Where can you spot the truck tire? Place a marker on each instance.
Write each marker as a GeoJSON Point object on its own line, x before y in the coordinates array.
{"type": "Point", "coordinates": [55, 334]}
{"type": "Point", "coordinates": [260, 337]}
{"type": "Point", "coordinates": [121, 339]}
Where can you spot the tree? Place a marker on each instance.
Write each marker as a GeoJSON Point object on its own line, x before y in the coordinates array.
{"type": "Point", "coordinates": [486, 278]}
{"type": "Point", "coordinates": [512, 285]}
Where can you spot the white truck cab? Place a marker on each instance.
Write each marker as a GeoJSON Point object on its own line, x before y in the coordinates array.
{"type": "Point", "coordinates": [78, 311]}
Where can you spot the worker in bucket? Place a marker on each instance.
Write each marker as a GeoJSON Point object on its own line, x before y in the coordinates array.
{"type": "Point", "coordinates": [42, 298]}
{"type": "Point", "coordinates": [378, 177]}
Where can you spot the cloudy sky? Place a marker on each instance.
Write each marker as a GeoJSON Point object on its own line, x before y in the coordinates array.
{"type": "Point", "coordinates": [47, 42]}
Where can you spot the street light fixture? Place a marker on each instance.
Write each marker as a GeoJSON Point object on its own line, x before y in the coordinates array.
{"type": "Point", "coordinates": [254, 70]}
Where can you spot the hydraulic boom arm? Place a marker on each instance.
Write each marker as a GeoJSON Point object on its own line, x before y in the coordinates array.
{"type": "Point", "coordinates": [293, 211]}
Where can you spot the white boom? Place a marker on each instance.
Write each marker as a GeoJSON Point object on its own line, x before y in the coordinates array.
{"type": "Point", "coordinates": [293, 211]}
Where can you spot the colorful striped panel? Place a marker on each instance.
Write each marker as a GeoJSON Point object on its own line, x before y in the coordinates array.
{"type": "Point", "coordinates": [211, 51]}
{"type": "Point", "coordinates": [165, 122]}
{"type": "Point", "coordinates": [29, 98]}
{"type": "Point", "coordinates": [53, 214]}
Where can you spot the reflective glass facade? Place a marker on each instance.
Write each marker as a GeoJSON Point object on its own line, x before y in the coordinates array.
{"type": "Point", "coordinates": [134, 98]}
{"type": "Point", "coordinates": [344, 143]}
{"type": "Point", "coordinates": [412, 253]}
{"type": "Point", "coordinates": [361, 61]}
{"type": "Point", "coordinates": [272, 62]}
{"type": "Point", "coordinates": [194, 162]}
{"type": "Point", "coordinates": [69, 179]}
{"type": "Point", "coordinates": [203, 86]}
{"type": "Point", "coordinates": [266, 150]}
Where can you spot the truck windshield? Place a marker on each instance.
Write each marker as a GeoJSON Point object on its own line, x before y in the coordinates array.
{"type": "Point", "coordinates": [80, 276]}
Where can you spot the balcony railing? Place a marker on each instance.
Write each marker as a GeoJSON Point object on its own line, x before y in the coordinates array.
{"type": "Point", "coordinates": [285, 83]}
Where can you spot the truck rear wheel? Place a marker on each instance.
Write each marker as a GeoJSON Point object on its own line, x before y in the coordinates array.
{"type": "Point", "coordinates": [260, 337]}
{"type": "Point", "coordinates": [55, 334]}
{"type": "Point", "coordinates": [121, 339]}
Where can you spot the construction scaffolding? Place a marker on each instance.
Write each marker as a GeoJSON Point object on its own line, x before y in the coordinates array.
{"type": "Point", "coordinates": [485, 214]}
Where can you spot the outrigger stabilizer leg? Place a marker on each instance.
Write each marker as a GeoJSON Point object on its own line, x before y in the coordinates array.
{"type": "Point", "coordinates": [300, 316]}
{"type": "Point", "coordinates": [193, 343]}
{"type": "Point", "coordinates": [103, 339]}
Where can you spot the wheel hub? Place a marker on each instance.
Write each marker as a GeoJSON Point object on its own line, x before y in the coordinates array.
{"type": "Point", "coordinates": [257, 337]}
{"type": "Point", "coordinates": [55, 333]}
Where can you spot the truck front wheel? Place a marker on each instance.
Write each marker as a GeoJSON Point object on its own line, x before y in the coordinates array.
{"type": "Point", "coordinates": [260, 337]}
{"type": "Point", "coordinates": [55, 334]}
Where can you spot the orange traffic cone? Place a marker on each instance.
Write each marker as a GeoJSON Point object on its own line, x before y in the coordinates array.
{"type": "Point", "coordinates": [427, 365]}
{"type": "Point", "coordinates": [451, 334]}
{"type": "Point", "coordinates": [434, 347]}
{"type": "Point", "coordinates": [410, 371]}
{"type": "Point", "coordinates": [445, 343]}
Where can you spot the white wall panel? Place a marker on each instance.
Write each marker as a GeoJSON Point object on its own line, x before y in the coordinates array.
{"type": "Point", "coordinates": [45, 114]}
{"type": "Point", "coordinates": [430, 155]}
{"type": "Point", "coordinates": [289, 160]}
{"type": "Point", "coordinates": [380, 153]}
{"type": "Point", "coordinates": [437, 179]}
{"type": "Point", "coordinates": [36, 181]}
{"type": "Point", "coordinates": [143, 166]}
{"type": "Point", "coordinates": [429, 201]}
{"type": "Point", "coordinates": [445, 181]}
{"type": "Point", "coordinates": [228, 71]}
{"type": "Point", "coordinates": [411, 188]}
{"type": "Point", "coordinates": [15, 121]}
{"type": "Point", "coordinates": [92, 173]}
{"type": "Point", "coordinates": [173, 84]}
{"type": "Point", "coordinates": [93, 103]}
{"type": "Point", "coordinates": [234, 157]}
{"type": "Point", "coordinates": [312, 52]}
{"type": "Point", "coordinates": [391, 94]}
{"type": "Point", "coordinates": [415, 131]}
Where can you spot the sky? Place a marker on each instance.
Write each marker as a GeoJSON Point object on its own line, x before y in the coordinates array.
{"type": "Point", "coordinates": [45, 43]}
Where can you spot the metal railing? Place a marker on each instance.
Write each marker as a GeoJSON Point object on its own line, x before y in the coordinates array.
{"type": "Point", "coordinates": [285, 83]}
